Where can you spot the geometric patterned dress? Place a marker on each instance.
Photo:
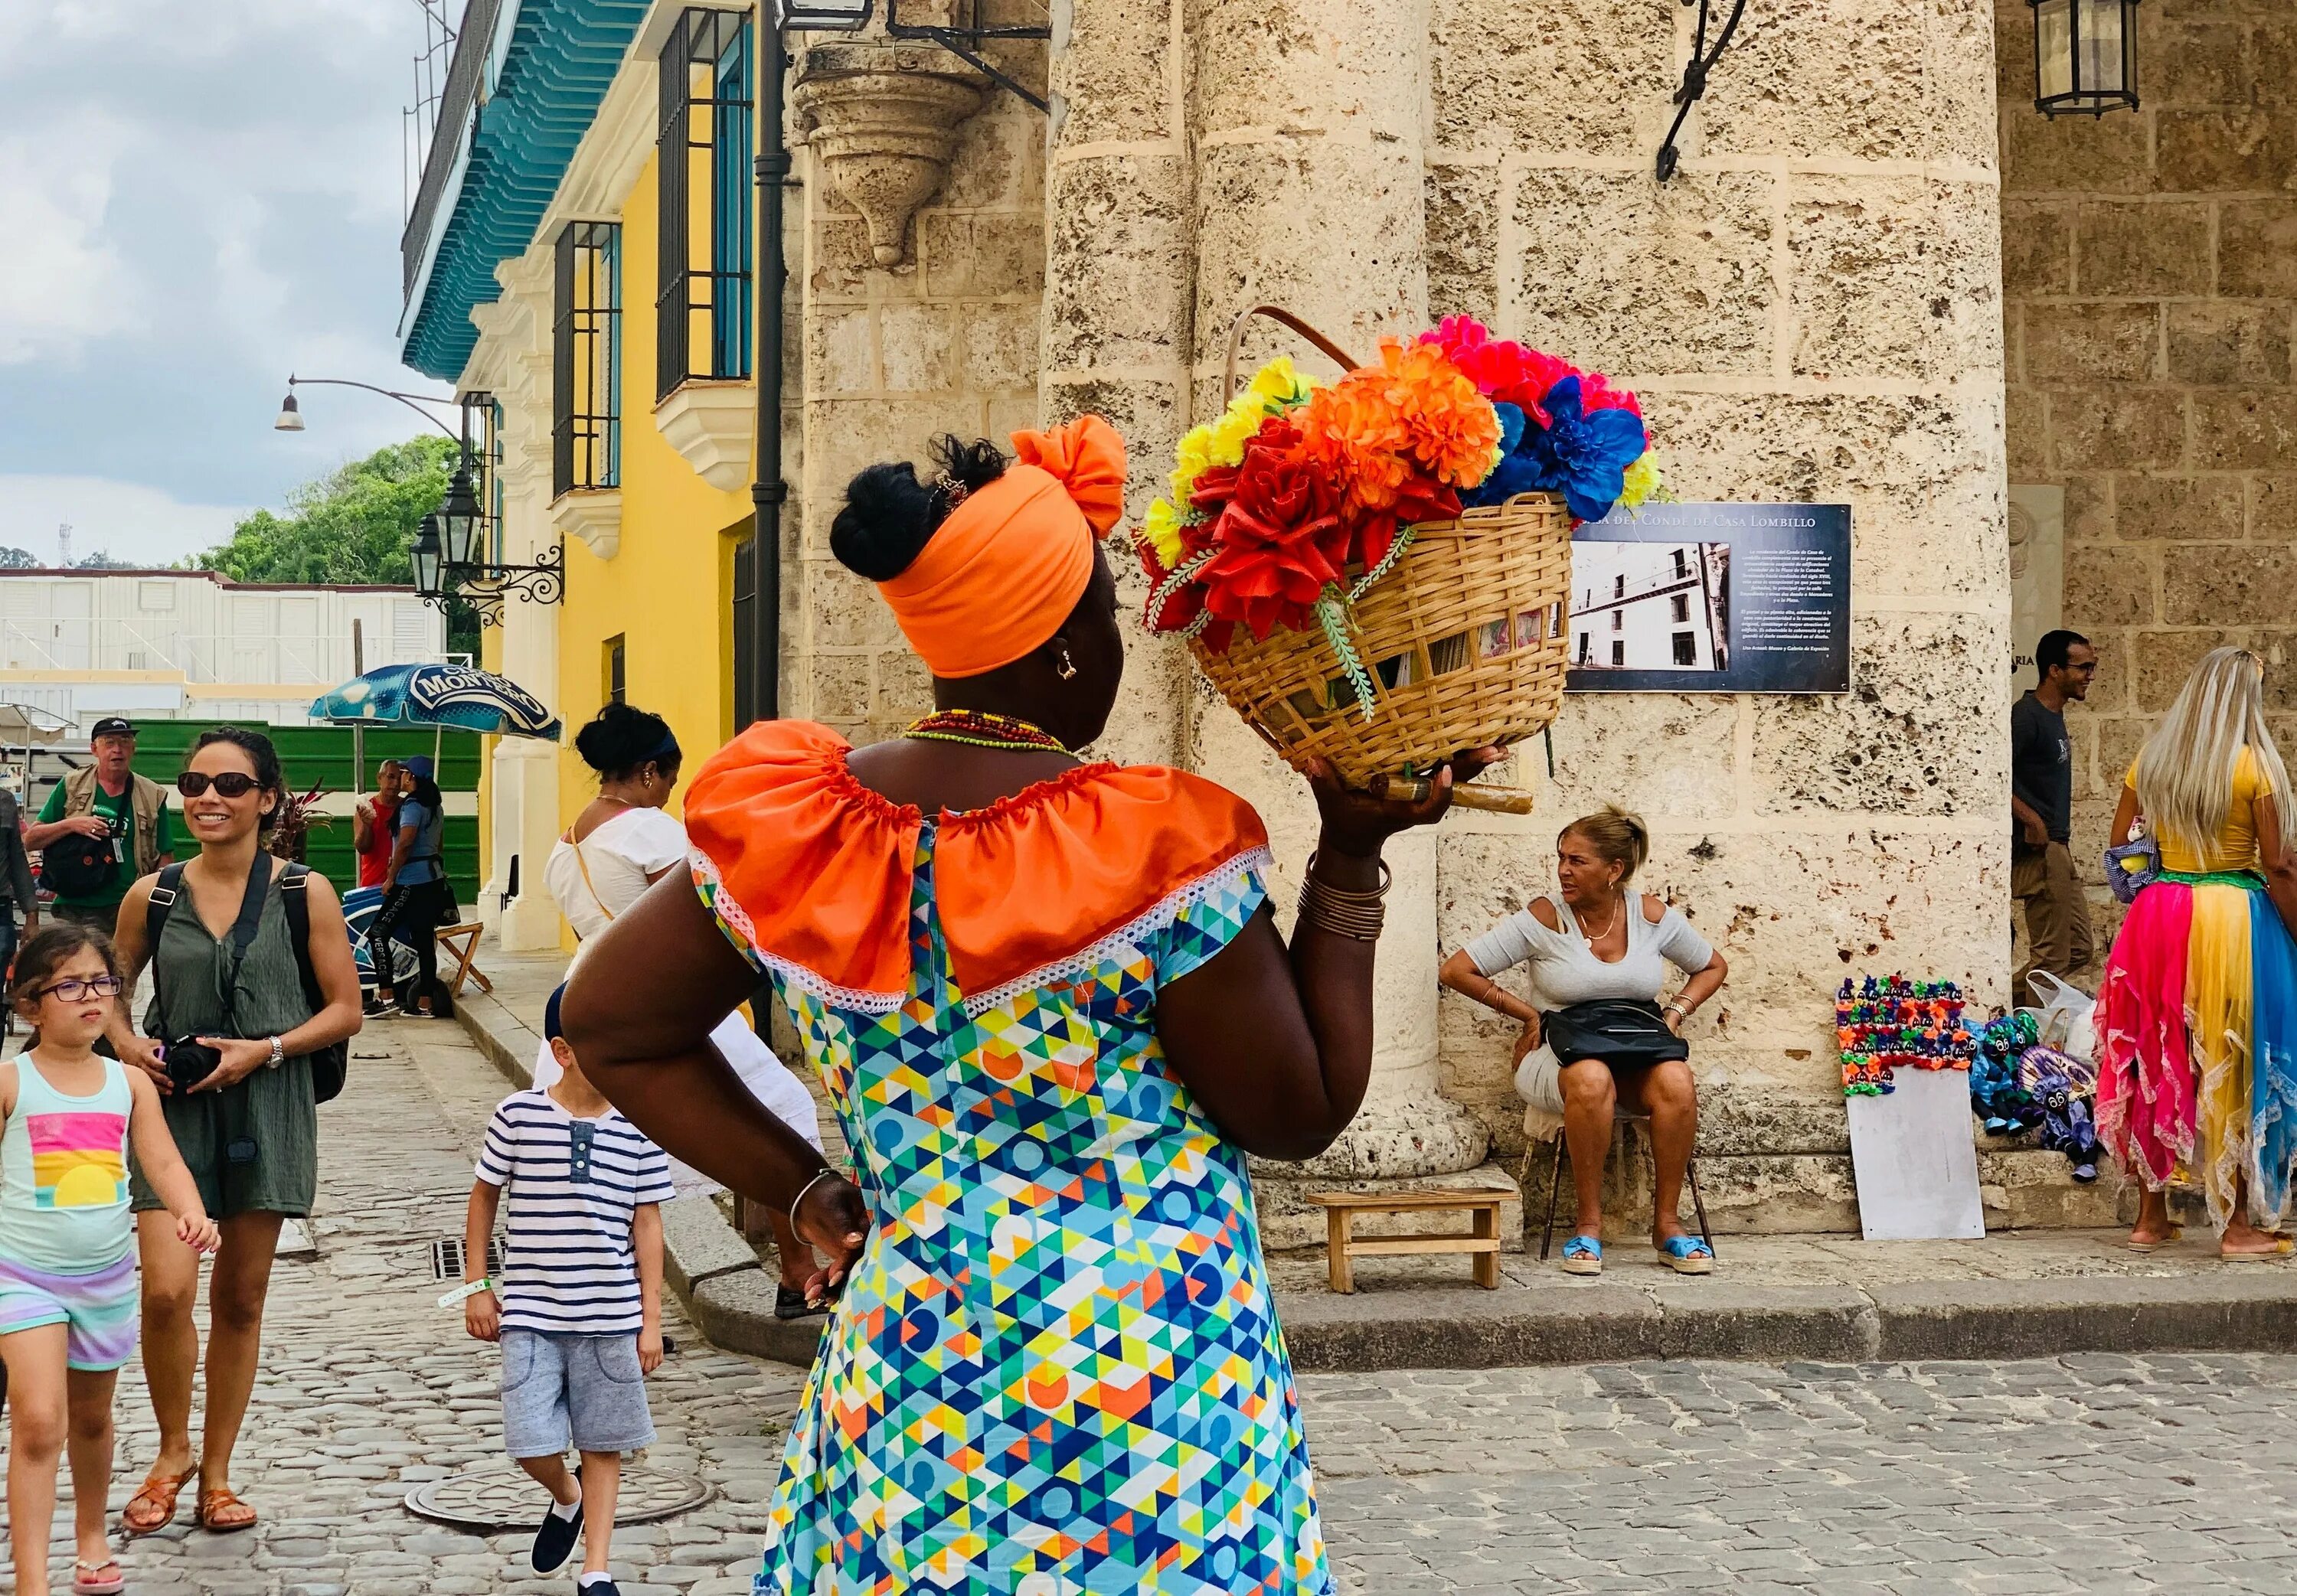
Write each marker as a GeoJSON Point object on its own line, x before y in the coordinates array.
{"type": "Point", "coordinates": [1056, 1367]}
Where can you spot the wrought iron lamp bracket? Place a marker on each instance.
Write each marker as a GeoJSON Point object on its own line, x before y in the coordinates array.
{"type": "Point", "coordinates": [482, 587]}
{"type": "Point", "coordinates": [1694, 79]}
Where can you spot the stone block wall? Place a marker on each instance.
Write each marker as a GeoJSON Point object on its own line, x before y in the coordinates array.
{"type": "Point", "coordinates": [946, 339]}
{"type": "Point", "coordinates": [1811, 311]}
{"type": "Point", "coordinates": [2150, 283]}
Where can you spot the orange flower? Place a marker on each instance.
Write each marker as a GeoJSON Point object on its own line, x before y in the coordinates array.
{"type": "Point", "coordinates": [1352, 430]}
{"type": "Point", "coordinates": [1451, 427]}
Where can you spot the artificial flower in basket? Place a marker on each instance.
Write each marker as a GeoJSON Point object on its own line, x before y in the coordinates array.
{"type": "Point", "coordinates": [1303, 497]}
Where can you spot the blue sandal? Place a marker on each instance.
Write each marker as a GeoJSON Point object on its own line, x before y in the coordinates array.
{"type": "Point", "coordinates": [1583, 1255]}
{"type": "Point", "coordinates": [1687, 1254]}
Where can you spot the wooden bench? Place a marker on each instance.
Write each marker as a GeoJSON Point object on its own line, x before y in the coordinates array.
{"type": "Point", "coordinates": [462, 944]}
{"type": "Point", "coordinates": [1345, 1247]}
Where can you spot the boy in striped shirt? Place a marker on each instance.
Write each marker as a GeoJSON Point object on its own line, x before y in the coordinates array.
{"type": "Point", "coordinates": [579, 1308]}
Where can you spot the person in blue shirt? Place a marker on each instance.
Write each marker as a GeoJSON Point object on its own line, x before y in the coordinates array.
{"type": "Point", "coordinates": [416, 896]}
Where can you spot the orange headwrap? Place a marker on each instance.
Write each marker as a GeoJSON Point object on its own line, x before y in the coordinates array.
{"type": "Point", "coordinates": [1002, 574]}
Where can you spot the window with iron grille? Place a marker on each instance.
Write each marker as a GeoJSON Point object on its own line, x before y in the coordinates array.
{"type": "Point", "coordinates": [615, 670]}
{"type": "Point", "coordinates": [705, 147]}
{"type": "Point", "coordinates": [490, 459]}
{"type": "Point", "coordinates": [586, 438]}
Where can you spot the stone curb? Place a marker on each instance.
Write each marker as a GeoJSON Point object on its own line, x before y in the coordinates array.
{"type": "Point", "coordinates": [715, 1273]}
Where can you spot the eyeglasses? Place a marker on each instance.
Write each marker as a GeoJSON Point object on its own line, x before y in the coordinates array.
{"type": "Point", "coordinates": [74, 992]}
{"type": "Point", "coordinates": [231, 784]}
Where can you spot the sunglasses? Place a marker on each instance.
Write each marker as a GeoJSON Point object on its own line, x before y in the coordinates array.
{"type": "Point", "coordinates": [74, 992]}
{"type": "Point", "coordinates": [231, 784]}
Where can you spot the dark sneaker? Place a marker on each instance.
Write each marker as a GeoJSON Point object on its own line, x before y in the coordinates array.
{"type": "Point", "coordinates": [789, 1303]}
{"type": "Point", "coordinates": [419, 1014]}
{"type": "Point", "coordinates": [556, 1537]}
{"type": "Point", "coordinates": [374, 1008]}
{"type": "Point", "coordinates": [598, 1587]}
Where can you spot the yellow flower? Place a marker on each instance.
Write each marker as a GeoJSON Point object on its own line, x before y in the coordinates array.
{"type": "Point", "coordinates": [1238, 423]}
{"type": "Point", "coordinates": [1161, 529]}
{"type": "Point", "coordinates": [1279, 384]}
{"type": "Point", "coordinates": [1191, 461]}
{"type": "Point", "coordinates": [1642, 481]}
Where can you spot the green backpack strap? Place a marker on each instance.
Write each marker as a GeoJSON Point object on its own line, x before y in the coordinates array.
{"type": "Point", "coordinates": [156, 910]}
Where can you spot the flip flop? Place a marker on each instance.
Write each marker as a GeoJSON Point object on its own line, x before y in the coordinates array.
{"type": "Point", "coordinates": [221, 1498]}
{"type": "Point", "coordinates": [1583, 1255]}
{"type": "Point", "coordinates": [2176, 1233]}
{"type": "Point", "coordinates": [159, 1493]}
{"type": "Point", "coordinates": [1687, 1254]}
{"type": "Point", "coordinates": [89, 1579]}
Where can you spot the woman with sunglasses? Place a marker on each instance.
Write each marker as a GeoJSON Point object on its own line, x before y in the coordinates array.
{"type": "Point", "coordinates": [225, 974]}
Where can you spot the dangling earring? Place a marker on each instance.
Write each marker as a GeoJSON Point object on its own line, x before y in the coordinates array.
{"type": "Point", "coordinates": [1066, 669]}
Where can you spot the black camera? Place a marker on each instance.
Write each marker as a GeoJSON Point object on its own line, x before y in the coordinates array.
{"type": "Point", "coordinates": [189, 1062]}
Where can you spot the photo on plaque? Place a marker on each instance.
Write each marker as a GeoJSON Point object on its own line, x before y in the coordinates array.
{"type": "Point", "coordinates": [1712, 598]}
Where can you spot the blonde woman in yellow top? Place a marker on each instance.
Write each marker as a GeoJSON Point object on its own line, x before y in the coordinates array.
{"type": "Point", "coordinates": [2197, 1013]}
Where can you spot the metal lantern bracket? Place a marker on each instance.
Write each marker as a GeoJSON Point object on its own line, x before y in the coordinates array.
{"type": "Point", "coordinates": [1694, 79]}
{"type": "Point", "coordinates": [962, 38]}
{"type": "Point", "coordinates": [483, 587]}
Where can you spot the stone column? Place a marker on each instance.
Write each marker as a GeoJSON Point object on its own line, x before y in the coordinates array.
{"type": "Point", "coordinates": [1118, 282]}
{"type": "Point", "coordinates": [525, 769]}
{"type": "Point", "coordinates": [1308, 122]}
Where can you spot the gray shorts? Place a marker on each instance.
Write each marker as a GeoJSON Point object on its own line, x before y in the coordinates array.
{"type": "Point", "coordinates": [586, 1389]}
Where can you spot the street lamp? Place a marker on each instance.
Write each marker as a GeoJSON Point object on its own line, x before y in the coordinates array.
{"type": "Point", "coordinates": [2085, 56]}
{"type": "Point", "coordinates": [426, 556]}
{"type": "Point", "coordinates": [291, 415]}
{"type": "Point", "coordinates": [460, 518]}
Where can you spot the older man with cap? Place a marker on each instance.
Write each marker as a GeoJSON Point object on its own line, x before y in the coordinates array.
{"type": "Point", "coordinates": [107, 800]}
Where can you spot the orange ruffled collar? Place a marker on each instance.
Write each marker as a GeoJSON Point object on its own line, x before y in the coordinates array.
{"type": "Point", "coordinates": [810, 872]}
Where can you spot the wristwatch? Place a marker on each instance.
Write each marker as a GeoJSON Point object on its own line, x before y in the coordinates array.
{"type": "Point", "coordinates": [278, 1054]}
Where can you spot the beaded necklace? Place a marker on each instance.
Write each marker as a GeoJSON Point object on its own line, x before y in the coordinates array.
{"type": "Point", "coordinates": [979, 728]}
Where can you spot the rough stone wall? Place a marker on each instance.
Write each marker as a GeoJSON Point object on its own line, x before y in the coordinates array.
{"type": "Point", "coordinates": [1810, 310]}
{"type": "Point", "coordinates": [2150, 276]}
{"type": "Point", "coordinates": [944, 340]}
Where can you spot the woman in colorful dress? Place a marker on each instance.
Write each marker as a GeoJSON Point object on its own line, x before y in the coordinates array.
{"type": "Point", "coordinates": [1053, 1010]}
{"type": "Point", "coordinates": [2197, 1015]}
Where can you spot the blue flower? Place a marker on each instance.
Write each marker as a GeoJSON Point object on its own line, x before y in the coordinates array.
{"type": "Point", "coordinates": [1585, 454]}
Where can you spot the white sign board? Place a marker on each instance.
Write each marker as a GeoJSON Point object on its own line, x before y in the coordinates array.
{"type": "Point", "coordinates": [1916, 1160]}
{"type": "Point", "coordinates": [2037, 570]}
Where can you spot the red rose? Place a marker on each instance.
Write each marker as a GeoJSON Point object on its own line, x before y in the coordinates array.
{"type": "Point", "coordinates": [1281, 540]}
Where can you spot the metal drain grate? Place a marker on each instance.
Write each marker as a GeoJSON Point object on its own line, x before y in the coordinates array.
{"type": "Point", "coordinates": [447, 1258]}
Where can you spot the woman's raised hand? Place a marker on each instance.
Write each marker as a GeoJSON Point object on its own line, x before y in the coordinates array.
{"type": "Point", "coordinates": [1526, 1040]}
{"type": "Point", "coordinates": [1357, 821]}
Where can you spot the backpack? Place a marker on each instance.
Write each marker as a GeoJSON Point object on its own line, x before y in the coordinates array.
{"type": "Point", "coordinates": [330, 1064]}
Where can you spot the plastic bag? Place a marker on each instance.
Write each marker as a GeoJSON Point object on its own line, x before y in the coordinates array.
{"type": "Point", "coordinates": [2065, 1016]}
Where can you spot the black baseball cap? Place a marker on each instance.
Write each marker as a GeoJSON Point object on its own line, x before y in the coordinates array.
{"type": "Point", "coordinates": [551, 1029]}
{"type": "Point", "coordinates": [113, 725]}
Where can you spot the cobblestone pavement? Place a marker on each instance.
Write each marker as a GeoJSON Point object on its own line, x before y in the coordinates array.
{"type": "Point", "coordinates": [2093, 1474]}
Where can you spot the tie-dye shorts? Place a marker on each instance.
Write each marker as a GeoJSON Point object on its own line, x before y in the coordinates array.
{"type": "Point", "coordinates": [98, 1310]}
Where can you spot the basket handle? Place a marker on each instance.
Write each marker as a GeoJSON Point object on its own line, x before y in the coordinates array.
{"type": "Point", "coordinates": [1275, 313]}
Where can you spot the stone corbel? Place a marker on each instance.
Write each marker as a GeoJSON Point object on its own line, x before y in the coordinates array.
{"type": "Point", "coordinates": [881, 118]}
{"type": "Point", "coordinates": [712, 422]}
{"type": "Point", "coordinates": [593, 515]}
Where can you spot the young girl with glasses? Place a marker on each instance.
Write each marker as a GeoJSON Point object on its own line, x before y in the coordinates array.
{"type": "Point", "coordinates": [68, 1285]}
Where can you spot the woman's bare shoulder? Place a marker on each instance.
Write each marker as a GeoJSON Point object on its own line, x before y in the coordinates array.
{"type": "Point", "coordinates": [1542, 910]}
{"type": "Point", "coordinates": [1654, 908]}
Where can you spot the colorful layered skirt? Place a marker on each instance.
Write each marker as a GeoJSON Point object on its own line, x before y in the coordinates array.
{"type": "Point", "coordinates": [2197, 1043]}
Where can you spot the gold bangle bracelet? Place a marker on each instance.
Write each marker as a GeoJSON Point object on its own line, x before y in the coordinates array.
{"type": "Point", "coordinates": [1356, 916]}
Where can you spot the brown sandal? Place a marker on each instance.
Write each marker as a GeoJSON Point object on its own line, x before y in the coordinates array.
{"type": "Point", "coordinates": [222, 1498]}
{"type": "Point", "coordinates": [158, 1495]}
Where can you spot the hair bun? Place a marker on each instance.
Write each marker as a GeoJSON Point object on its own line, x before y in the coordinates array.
{"type": "Point", "coordinates": [889, 515]}
{"type": "Point", "coordinates": [620, 739]}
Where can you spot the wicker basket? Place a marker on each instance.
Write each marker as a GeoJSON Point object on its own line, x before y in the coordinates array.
{"type": "Point", "coordinates": [1465, 640]}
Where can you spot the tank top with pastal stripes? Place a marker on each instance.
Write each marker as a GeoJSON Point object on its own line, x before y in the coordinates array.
{"type": "Point", "coordinates": [63, 1174]}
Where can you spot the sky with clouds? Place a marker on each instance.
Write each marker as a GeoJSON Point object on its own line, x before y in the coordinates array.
{"type": "Point", "coordinates": [201, 198]}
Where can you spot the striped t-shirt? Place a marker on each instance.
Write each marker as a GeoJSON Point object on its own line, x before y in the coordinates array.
{"type": "Point", "coordinates": [567, 1265]}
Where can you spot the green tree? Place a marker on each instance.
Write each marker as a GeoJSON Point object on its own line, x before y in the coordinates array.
{"type": "Point", "coordinates": [357, 524]}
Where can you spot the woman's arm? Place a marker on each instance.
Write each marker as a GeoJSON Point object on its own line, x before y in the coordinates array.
{"type": "Point", "coordinates": [1459, 972]}
{"type": "Point", "coordinates": [1275, 1044]}
{"type": "Point", "coordinates": [2280, 864]}
{"type": "Point", "coordinates": [2126, 815]}
{"type": "Point", "coordinates": [164, 1165]}
{"type": "Point", "coordinates": [129, 948]}
{"type": "Point", "coordinates": [1703, 984]}
{"type": "Point", "coordinates": [638, 1012]}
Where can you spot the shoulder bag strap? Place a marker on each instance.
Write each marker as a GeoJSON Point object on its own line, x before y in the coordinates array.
{"type": "Point", "coordinates": [156, 910]}
{"type": "Point", "coordinates": [583, 865]}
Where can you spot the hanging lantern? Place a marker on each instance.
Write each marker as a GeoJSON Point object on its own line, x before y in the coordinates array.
{"type": "Point", "coordinates": [2085, 56]}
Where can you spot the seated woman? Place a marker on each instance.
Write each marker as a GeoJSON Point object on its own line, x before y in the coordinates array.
{"type": "Point", "coordinates": [1599, 956]}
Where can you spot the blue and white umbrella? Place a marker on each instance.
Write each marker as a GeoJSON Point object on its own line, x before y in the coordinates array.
{"type": "Point", "coordinates": [438, 695]}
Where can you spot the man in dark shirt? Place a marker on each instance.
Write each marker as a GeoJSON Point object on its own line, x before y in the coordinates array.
{"type": "Point", "coordinates": [2042, 878]}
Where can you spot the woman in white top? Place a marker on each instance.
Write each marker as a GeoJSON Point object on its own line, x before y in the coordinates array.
{"type": "Point", "coordinates": [1599, 956]}
{"type": "Point", "coordinates": [621, 843]}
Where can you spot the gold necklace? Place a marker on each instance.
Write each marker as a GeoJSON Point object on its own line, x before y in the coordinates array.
{"type": "Point", "coordinates": [1592, 938]}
